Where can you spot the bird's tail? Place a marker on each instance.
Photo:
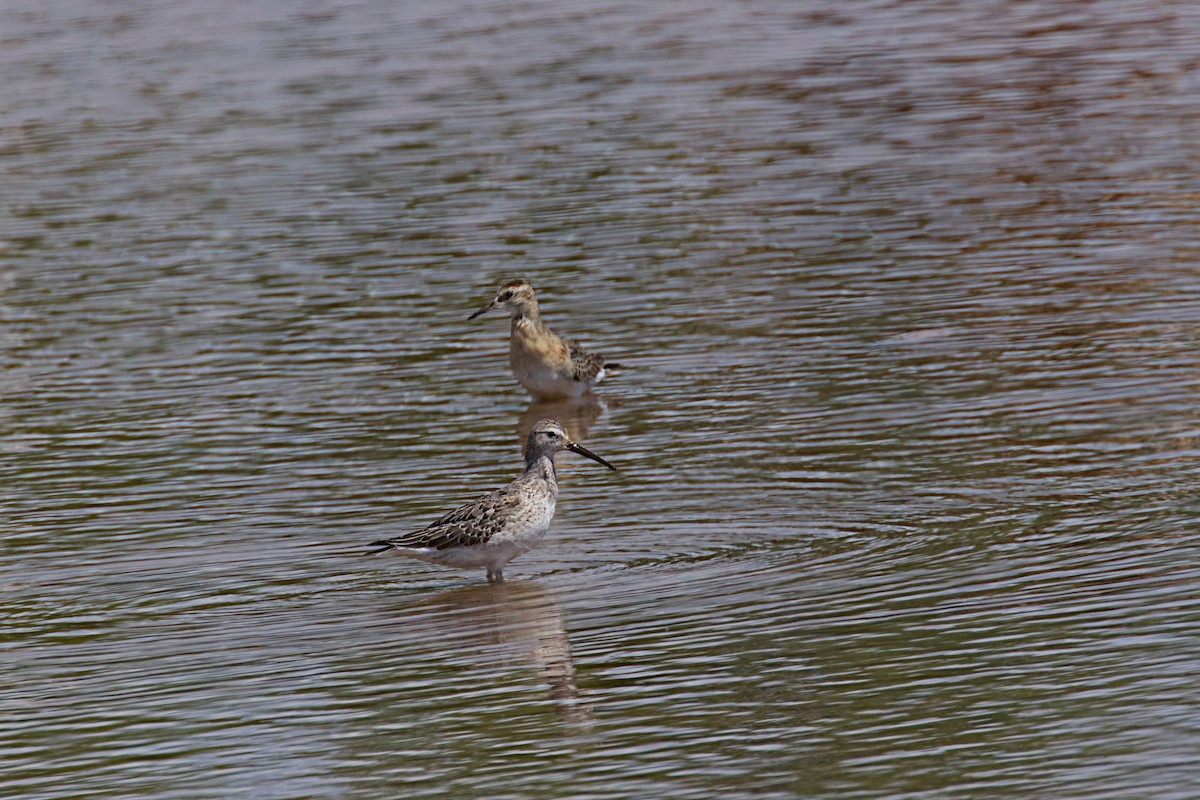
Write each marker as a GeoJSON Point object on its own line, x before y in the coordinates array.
{"type": "Point", "coordinates": [613, 366]}
{"type": "Point", "coordinates": [383, 546]}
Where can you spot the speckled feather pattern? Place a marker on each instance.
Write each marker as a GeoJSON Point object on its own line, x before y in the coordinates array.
{"type": "Point", "coordinates": [502, 524]}
{"type": "Point", "coordinates": [503, 514]}
{"type": "Point", "coordinates": [585, 366]}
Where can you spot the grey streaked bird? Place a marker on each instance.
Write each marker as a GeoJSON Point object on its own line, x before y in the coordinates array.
{"type": "Point", "coordinates": [502, 524]}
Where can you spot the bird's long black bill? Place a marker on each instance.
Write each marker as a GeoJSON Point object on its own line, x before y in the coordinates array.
{"type": "Point", "coordinates": [483, 310]}
{"type": "Point", "coordinates": [583, 451]}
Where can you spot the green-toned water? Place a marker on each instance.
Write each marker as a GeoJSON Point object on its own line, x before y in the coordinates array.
{"type": "Point", "coordinates": [908, 300]}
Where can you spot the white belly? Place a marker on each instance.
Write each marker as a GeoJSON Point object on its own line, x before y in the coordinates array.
{"type": "Point", "coordinates": [544, 380]}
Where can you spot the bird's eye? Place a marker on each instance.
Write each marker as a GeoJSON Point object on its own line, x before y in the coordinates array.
{"type": "Point", "coordinates": [552, 434]}
{"type": "Point", "coordinates": [506, 296]}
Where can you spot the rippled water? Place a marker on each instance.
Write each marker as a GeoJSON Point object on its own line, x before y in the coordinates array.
{"type": "Point", "coordinates": [908, 437]}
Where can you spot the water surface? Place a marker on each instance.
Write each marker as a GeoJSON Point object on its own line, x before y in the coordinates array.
{"type": "Point", "coordinates": [907, 437]}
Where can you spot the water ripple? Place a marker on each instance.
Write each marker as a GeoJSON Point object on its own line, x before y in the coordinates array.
{"type": "Point", "coordinates": [906, 433]}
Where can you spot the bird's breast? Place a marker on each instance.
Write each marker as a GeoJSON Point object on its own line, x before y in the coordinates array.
{"type": "Point", "coordinates": [532, 343]}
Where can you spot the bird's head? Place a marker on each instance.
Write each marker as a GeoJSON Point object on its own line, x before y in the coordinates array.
{"type": "Point", "coordinates": [548, 437]}
{"type": "Point", "coordinates": [515, 297]}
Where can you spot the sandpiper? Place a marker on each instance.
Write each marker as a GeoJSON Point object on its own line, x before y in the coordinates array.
{"type": "Point", "coordinates": [549, 366]}
{"type": "Point", "coordinates": [502, 524]}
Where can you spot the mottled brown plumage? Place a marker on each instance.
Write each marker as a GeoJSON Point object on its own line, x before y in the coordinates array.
{"type": "Point", "coordinates": [547, 365]}
{"type": "Point", "coordinates": [585, 366]}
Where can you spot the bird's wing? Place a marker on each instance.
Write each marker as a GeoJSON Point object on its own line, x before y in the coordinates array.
{"type": "Point", "coordinates": [474, 523]}
{"type": "Point", "coordinates": [585, 366]}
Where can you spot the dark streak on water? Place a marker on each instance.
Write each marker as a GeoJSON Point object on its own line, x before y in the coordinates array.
{"type": "Point", "coordinates": [908, 441]}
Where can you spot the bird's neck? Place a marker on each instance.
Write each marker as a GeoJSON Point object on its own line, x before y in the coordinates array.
{"type": "Point", "coordinates": [527, 314]}
{"type": "Point", "coordinates": [540, 465]}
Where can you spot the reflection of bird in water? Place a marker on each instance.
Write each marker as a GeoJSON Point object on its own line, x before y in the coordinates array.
{"type": "Point", "coordinates": [502, 524]}
{"type": "Point", "coordinates": [549, 366]}
{"type": "Point", "coordinates": [524, 616]}
{"type": "Point", "coordinates": [576, 416]}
